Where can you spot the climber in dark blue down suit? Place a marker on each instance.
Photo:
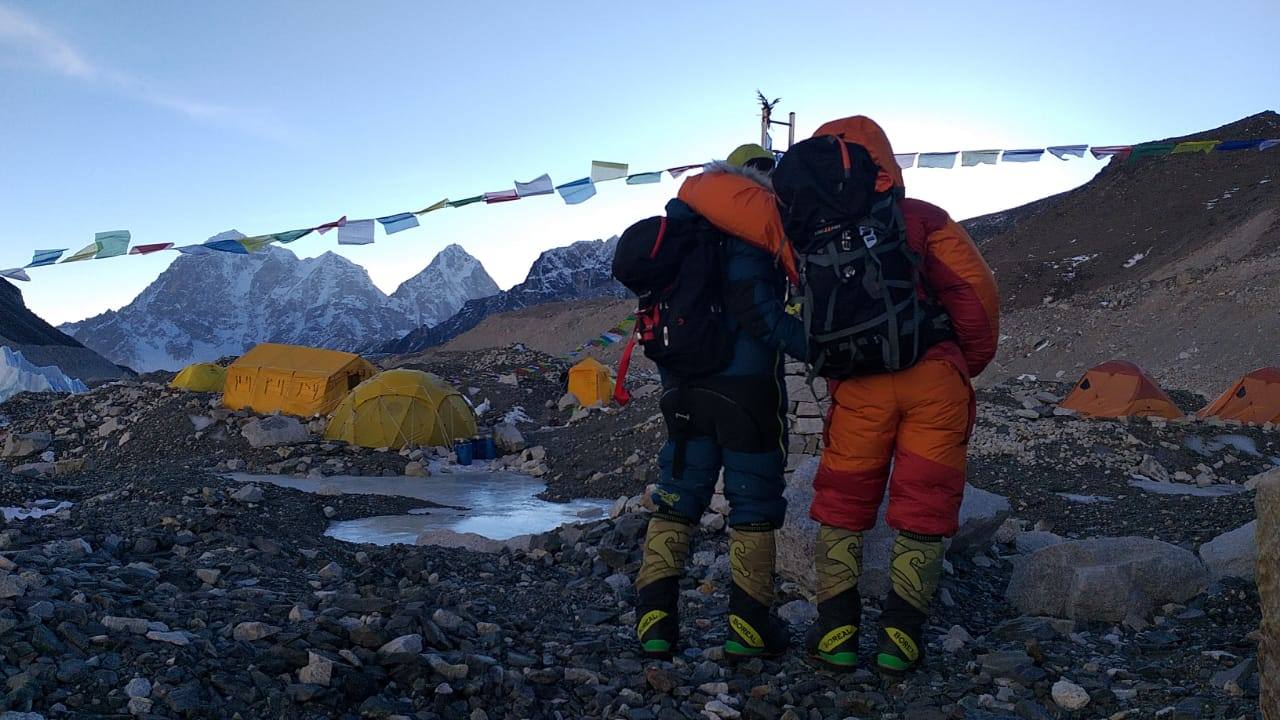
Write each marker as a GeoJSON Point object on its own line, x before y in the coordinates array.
{"type": "Point", "coordinates": [734, 419]}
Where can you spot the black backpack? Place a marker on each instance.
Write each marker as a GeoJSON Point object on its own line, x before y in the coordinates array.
{"type": "Point", "coordinates": [864, 305]}
{"type": "Point", "coordinates": [676, 270]}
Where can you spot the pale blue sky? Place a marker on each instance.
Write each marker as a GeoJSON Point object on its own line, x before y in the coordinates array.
{"type": "Point", "coordinates": [179, 120]}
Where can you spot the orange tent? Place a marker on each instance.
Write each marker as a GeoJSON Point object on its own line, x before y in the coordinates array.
{"type": "Point", "coordinates": [1117, 388]}
{"type": "Point", "coordinates": [1255, 398]}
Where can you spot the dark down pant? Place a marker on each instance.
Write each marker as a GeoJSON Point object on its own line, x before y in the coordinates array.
{"type": "Point", "coordinates": [735, 423]}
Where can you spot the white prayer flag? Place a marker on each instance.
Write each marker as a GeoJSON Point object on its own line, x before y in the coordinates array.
{"type": "Point", "coordinates": [969, 158]}
{"type": "Point", "coordinates": [356, 232]}
{"type": "Point", "coordinates": [540, 185]}
{"type": "Point", "coordinates": [945, 160]}
{"type": "Point", "coordinates": [905, 160]}
{"type": "Point", "coordinates": [601, 171]}
{"type": "Point", "coordinates": [1062, 152]}
{"type": "Point", "coordinates": [16, 274]}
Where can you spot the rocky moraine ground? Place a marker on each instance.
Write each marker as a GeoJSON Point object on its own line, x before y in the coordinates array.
{"type": "Point", "coordinates": [137, 580]}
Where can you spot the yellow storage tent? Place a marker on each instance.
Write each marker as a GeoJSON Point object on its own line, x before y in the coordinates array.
{"type": "Point", "coordinates": [590, 382]}
{"type": "Point", "coordinates": [402, 407]}
{"type": "Point", "coordinates": [293, 379]}
{"type": "Point", "coordinates": [200, 377]}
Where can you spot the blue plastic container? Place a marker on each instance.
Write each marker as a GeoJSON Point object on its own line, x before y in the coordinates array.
{"type": "Point", "coordinates": [463, 449]}
{"type": "Point", "coordinates": [490, 449]}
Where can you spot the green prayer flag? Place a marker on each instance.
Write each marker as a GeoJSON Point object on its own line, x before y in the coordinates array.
{"type": "Point", "coordinates": [112, 243]}
{"type": "Point", "coordinates": [288, 236]}
{"type": "Point", "coordinates": [466, 201]}
{"type": "Point", "coordinates": [1151, 150]}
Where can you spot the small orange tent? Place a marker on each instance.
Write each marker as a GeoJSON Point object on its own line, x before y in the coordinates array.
{"type": "Point", "coordinates": [590, 382]}
{"type": "Point", "coordinates": [1117, 388]}
{"type": "Point", "coordinates": [1255, 398]}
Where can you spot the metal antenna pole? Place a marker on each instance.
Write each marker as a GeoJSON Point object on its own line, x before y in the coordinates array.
{"type": "Point", "coordinates": [791, 130]}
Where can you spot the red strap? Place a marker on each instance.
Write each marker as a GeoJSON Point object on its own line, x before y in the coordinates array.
{"type": "Point", "coordinates": [657, 243]}
{"type": "Point", "coordinates": [620, 394]}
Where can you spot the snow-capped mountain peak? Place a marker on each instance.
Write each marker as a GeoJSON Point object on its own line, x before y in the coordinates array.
{"type": "Point", "coordinates": [451, 279]}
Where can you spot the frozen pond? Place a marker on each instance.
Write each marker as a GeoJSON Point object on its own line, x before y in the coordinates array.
{"type": "Point", "coordinates": [492, 504]}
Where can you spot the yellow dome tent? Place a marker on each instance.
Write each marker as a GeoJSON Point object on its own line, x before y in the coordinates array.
{"type": "Point", "coordinates": [402, 407]}
{"type": "Point", "coordinates": [293, 379]}
{"type": "Point", "coordinates": [200, 377]}
{"type": "Point", "coordinates": [590, 382]}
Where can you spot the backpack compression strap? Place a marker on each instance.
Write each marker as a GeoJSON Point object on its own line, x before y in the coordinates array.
{"type": "Point", "coordinates": [620, 394]}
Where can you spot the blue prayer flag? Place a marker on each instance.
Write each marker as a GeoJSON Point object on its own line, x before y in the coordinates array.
{"type": "Point", "coordinates": [229, 246]}
{"type": "Point", "coordinates": [393, 224]}
{"type": "Point", "coordinates": [1022, 155]}
{"type": "Point", "coordinates": [644, 178]}
{"type": "Point", "coordinates": [45, 257]}
{"type": "Point", "coordinates": [578, 191]}
{"type": "Point", "coordinates": [1230, 145]}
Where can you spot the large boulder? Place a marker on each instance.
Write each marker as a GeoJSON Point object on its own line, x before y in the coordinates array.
{"type": "Point", "coordinates": [24, 444]}
{"type": "Point", "coordinates": [274, 430]}
{"type": "Point", "coordinates": [1268, 506]}
{"type": "Point", "coordinates": [1104, 578]}
{"type": "Point", "coordinates": [981, 514]}
{"type": "Point", "coordinates": [1232, 554]}
{"type": "Point", "coordinates": [508, 439]}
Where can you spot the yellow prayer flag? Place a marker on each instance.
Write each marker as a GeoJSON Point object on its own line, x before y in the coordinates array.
{"type": "Point", "coordinates": [443, 203]}
{"type": "Point", "coordinates": [85, 253]}
{"type": "Point", "coordinates": [1195, 146]}
{"type": "Point", "coordinates": [257, 242]}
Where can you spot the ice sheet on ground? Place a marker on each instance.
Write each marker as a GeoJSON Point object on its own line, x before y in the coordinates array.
{"type": "Point", "coordinates": [1085, 499]}
{"type": "Point", "coordinates": [1240, 443]}
{"type": "Point", "coordinates": [37, 509]}
{"type": "Point", "coordinates": [1172, 488]}
{"type": "Point", "coordinates": [17, 374]}
{"type": "Point", "coordinates": [497, 505]}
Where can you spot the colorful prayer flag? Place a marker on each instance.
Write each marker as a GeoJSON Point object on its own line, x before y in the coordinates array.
{"type": "Point", "coordinates": [578, 191]}
{"type": "Point", "coordinates": [601, 171]}
{"type": "Point", "coordinates": [1268, 144]}
{"type": "Point", "coordinates": [322, 229]}
{"type": "Point", "coordinates": [229, 245]}
{"type": "Point", "coordinates": [111, 243]}
{"type": "Point", "coordinates": [393, 224]}
{"type": "Point", "coordinates": [970, 158]}
{"type": "Point", "coordinates": [905, 160]}
{"type": "Point", "coordinates": [500, 196]}
{"type": "Point", "coordinates": [1062, 152]}
{"type": "Point", "coordinates": [148, 249]}
{"type": "Point", "coordinates": [256, 243]}
{"type": "Point", "coordinates": [40, 258]}
{"type": "Point", "coordinates": [945, 160]}
{"type": "Point", "coordinates": [85, 253]}
{"type": "Point", "coordinates": [1194, 146]}
{"type": "Point", "coordinates": [540, 185]}
{"type": "Point", "coordinates": [676, 172]}
{"type": "Point", "coordinates": [1150, 150]}
{"type": "Point", "coordinates": [289, 236]}
{"type": "Point", "coordinates": [644, 178]}
{"type": "Point", "coordinates": [442, 204]}
{"type": "Point", "coordinates": [1119, 152]}
{"type": "Point", "coordinates": [465, 201]}
{"type": "Point", "coordinates": [356, 232]}
{"type": "Point", "coordinates": [201, 249]}
{"type": "Point", "coordinates": [1231, 145]}
{"type": "Point", "coordinates": [16, 274]}
{"type": "Point", "coordinates": [1022, 155]}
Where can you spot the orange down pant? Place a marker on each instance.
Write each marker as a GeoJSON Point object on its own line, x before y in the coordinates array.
{"type": "Point", "coordinates": [917, 422]}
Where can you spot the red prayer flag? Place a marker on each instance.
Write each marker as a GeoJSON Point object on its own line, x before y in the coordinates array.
{"type": "Point", "coordinates": [322, 229]}
{"type": "Point", "coordinates": [148, 249]}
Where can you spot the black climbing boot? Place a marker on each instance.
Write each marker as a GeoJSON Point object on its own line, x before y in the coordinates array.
{"type": "Point", "coordinates": [915, 569]}
{"type": "Point", "coordinates": [666, 547]}
{"type": "Point", "coordinates": [901, 646]}
{"type": "Point", "coordinates": [832, 641]}
{"type": "Point", "coordinates": [753, 630]}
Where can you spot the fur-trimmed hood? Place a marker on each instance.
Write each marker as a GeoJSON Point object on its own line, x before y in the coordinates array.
{"type": "Point", "coordinates": [756, 176]}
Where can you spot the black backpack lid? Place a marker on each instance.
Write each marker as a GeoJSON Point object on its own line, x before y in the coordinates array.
{"type": "Point", "coordinates": [823, 180]}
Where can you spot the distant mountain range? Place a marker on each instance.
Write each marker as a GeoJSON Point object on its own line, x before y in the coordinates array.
{"type": "Point", "coordinates": [579, 271]}
{"type": "Point", "coordinates": [207, 306]}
